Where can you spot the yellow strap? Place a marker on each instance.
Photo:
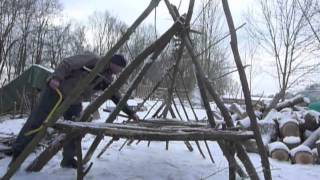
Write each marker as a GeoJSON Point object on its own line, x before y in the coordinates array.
{"type": "Point", "coordinates": [49, 115]}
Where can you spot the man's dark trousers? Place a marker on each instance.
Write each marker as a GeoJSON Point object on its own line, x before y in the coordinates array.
{"type": "Point", "coordinates": [48, 99]}
{"type": "Point", "coordinates": [69, 149]}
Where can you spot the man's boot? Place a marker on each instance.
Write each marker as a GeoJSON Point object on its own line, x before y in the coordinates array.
{"type": "Point", "coordinates": [69, 163]}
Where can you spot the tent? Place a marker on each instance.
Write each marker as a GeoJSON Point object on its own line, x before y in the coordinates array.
{"type": "Point", "coordinates": [12, 94]}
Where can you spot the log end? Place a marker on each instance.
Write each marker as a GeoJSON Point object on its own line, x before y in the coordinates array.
{"type": "Point", "coordinates": [280, 155]}
{"type": "Point", "coordinates": [290, 129]}
{"type": "Point", "coordinates": [303, 157]}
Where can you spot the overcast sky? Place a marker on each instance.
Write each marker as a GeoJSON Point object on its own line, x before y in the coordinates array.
{"type": "Point", "coordinates": [129, 10]}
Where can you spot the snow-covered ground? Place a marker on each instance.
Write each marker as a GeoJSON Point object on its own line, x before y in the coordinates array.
{"type": "Point", "coordinates": [137, 162]}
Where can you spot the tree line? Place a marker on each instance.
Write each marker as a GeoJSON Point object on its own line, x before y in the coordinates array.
{"type": "Point", "coordinates": [36, 32]}
{"type": "Point", "coordinates": [31, 32]}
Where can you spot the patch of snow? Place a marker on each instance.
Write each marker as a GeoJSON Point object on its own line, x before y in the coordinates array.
{"type": "Point", "coordinates": [315, 151]}
{"type": "Point", "coordinates": [299, 115]}
{"type": "Point", "coordinates": [265, 138]}
{"type": "Point", "coordinates": [286, 110]}
{"type": "Point", "coordinates": [277, 145]}
{"type": "Point", "coordinates": [234, 117]}
{"type": "Point", "coordinates": [245, 123]}
{"type": "Point", "coordinates": [45, 68]}
{"type": "Point", "coordinates": [272, 116]}
{"type": "Point", "coordinates": [257, 113]}
{"type": "Point", "coordinates": [291, 140]}
{"type": "Point", "coordinates": [306, 100]}
{"type": "Point", "coordinates": [196, 96]}
{"type": "Point", "coordinates": [238, 107]}
{"type": "Point", "coordinates": [12, 126]}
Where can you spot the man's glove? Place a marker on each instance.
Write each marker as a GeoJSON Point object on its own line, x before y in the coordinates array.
{"type": "Point", "coordinates": [54, 83]}
{"type": "Point", "coordinates": [101, 86]}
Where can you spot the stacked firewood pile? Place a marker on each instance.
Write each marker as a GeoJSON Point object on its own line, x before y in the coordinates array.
{"type": "Point", "coordinates": [6, 141]}
{"type": "Point", "coordinates": [290, 131]}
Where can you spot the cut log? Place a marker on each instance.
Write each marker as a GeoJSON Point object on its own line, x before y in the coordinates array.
{"type": "Point", "coordinates": [292, 141]}
{"type": "Point", "coordinates": [299, 108]}
{"type": "Point", "coordinates": [289, 127]}
{"type": "Point", "coordinates": [280, 155]}
{"type": "Point", "coordinates": [301, 155]}
{"type": "Point", "coordinates": [267, 128]}
{"type": "Point", "coordinates": [311, 121]}
{"type": "Point", "coordinates": [251, 146]}
{"type": "Point", "coordinates": [315, 155]}
{"type": "Point", "coordinates": [318, 147]}
{"type": "Point", "coordinates": [278, 151]}
{"type": "Point", "coordinates": [237, 109]}
{"type": "Point", "coordinates": [307, 134]}
{"type": "Point", "coordinates": [293, 101]}
{"type": "Point", "coordinates": [312, 139]}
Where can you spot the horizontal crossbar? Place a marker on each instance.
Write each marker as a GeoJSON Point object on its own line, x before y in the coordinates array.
{"type": "Point", "coordinates": [157, 133]}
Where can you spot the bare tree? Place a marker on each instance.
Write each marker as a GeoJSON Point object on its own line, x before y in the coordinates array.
{"type": "Point", "coordinates": [213, 56]}
{"type": "Point", "coordinates": [282, 31]}
{"type": "Point", "coordinates": [105, 30]}
{"type": "Point", "coordinates": [9, 12]}
{"type": "Point", "coordinates": [46, 10]}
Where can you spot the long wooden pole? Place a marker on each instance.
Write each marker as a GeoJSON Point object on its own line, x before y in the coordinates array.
{"type": "Point", "coordinates": [245, 88]}
{"type": "Point", "coordinates": [173, 79]}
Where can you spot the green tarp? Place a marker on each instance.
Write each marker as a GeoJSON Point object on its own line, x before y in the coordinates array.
{"type": "Point", "coordinates": [314, 106]}
{"type": "Point", "coordinates": [33, 78]}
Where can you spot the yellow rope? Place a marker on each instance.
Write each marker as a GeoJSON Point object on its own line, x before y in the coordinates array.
{"type": "Point", "coordinates": [49, 115]}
